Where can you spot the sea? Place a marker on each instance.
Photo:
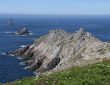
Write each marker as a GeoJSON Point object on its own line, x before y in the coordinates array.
{"type": "Point", "coordinates": [11, 67]}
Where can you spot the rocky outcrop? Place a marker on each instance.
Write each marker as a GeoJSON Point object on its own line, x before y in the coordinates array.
{"type": "Point", "coordinates": [60, 50]}
{"type": "Point", "coordinates": [23, 31]}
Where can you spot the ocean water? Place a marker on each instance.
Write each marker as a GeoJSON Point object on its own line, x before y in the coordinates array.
{"type": "Point", "coordinates": [10, 67]}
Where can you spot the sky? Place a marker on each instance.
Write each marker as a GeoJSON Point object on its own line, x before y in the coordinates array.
{"type": "Point", "coordinates": [55, 7]}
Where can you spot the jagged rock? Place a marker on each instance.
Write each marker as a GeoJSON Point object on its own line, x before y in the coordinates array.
{"type": "Point", "coordinates": [23, 31]}
{"type": "Point", "coordinates": [60, 50]}
{"type": "Point", "coordinates": [19, 52]}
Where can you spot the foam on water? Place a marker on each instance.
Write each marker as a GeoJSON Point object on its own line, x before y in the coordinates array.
{"type": "Point", "coordinates": [8, 32]}
{"type": "Point", "coordinates": [11, 54]}
{"type": "Point", "coordinates": [22, 46]}
{"type": "Point", "coordinates": [31, 33]}
{"type": "Point", "coordinates": [19, 58]}
{"type": "Point", "coordinates": [3, 53]}
{"type": "Point", "coordinates": [26, 67]}
{"type": "Point", "coordinates": [22, 63]}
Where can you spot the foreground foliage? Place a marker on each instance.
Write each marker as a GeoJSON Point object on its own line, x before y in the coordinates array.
{"type": "Point", "coordinates": [97, 74]}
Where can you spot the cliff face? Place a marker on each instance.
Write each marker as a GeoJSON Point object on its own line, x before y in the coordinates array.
{"type": "Point", "coordinates": [60, 50]}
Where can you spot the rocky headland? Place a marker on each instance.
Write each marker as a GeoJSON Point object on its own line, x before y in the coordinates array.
{"type": "Point", "coordinates": [59, 50]}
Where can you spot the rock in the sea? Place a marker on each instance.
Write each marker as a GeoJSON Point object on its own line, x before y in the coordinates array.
{"type": "Point", "coordinates": [23, 31]}
{"type": "Point", "coordinates": [60, 50]}
{"type": "Point", "coordinates": [10, 23]}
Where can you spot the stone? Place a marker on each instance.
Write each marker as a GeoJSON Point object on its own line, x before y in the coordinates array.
{"type": "Point", "coordinates": [23, 31]}
{"type": "Point", "coordinates": [59, 50]}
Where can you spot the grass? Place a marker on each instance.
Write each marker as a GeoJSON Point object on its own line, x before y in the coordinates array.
{"type": "Point", "coordinates": [96, 74]}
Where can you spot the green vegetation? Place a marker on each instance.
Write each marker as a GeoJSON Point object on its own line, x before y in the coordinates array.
{"type": "Point", "coordinates": [97, 74]}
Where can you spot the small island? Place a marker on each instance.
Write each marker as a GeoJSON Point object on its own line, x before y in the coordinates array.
{"type": "Point", "coordinates": [23, 31]}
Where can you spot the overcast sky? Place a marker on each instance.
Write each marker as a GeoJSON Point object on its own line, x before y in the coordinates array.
{"type": "Point", "coordinates": [55, 7]}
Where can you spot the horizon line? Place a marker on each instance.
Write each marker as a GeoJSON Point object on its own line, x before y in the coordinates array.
{"type": "Point", "coordinates": [55, 14]}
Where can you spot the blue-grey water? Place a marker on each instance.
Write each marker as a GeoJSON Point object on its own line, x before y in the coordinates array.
{"type": "Point", "coordinates": [10, 67]}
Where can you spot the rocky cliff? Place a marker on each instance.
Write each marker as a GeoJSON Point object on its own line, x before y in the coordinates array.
{"type": "Point", "coordinates": [60, 50]}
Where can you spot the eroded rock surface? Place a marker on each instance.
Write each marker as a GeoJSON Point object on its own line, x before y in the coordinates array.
{"type": "Point", "coordinates": [60, 50]}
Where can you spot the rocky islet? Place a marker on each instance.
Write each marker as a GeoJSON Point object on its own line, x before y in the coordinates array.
{"type": "Point", "coordinates": [23, 31]}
